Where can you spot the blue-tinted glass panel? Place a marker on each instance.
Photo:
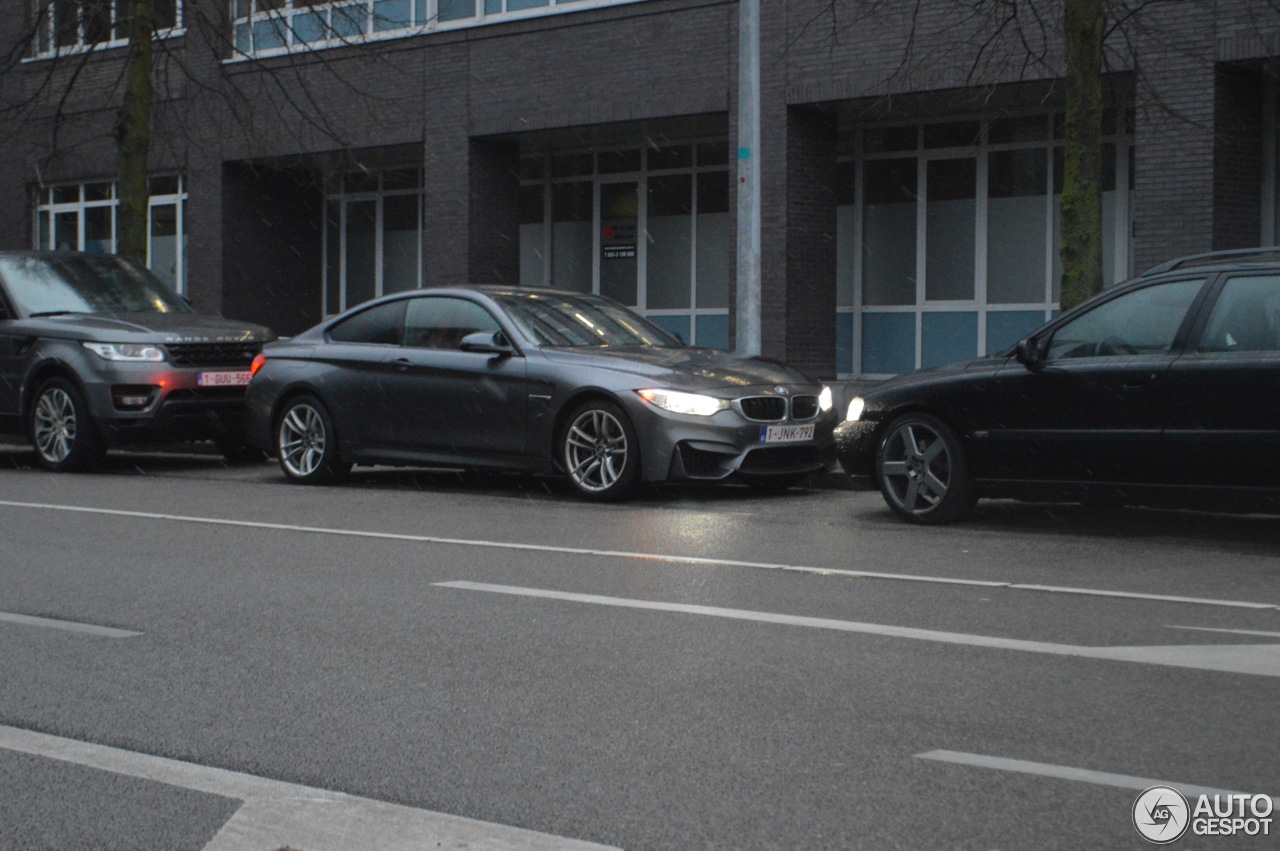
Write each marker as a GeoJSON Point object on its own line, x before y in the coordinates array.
{"type": "Point", "coordinates": [350, 20]}
{"type": "Point", "coordinates": [268, 34]}
{"type": "Point", "coordinates": [947, 337]}
{"type": "Point", "coordinates": [454, 10]}
{"type": "Point", "coordinates": [1006, 327]}
{"type": "Point", "coordinates": [674, 324]}
{"type": "Point", "coordinates": [518, 5]}
{"type": "Point", "coordinates": [888, 343]}
{"type": "Point", "coordinates": [309, 27]}
{"type": "Point", "coordinates": [243, 43]}
{"type": "Point", "coordinates": [392, 15]}
{"type": "Point", "coordinates": [844, 343]}
{"type": "Point", "coordinates": [419, 11]}
{"type": "Point", "coordinates": [713, 332]}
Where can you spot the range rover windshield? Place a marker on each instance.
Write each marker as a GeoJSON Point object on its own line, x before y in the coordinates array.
{"type": "Point", "coordinates": [572, 320]}
{"type": "Point", "coordinates": [53, 284]}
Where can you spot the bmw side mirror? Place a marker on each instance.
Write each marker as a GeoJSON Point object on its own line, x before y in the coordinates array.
{"type": "Point", "coordinates": [486, 342]}
{"type": "Point", "coordinates": [1028, 353]}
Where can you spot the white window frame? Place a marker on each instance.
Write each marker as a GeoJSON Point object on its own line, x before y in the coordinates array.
{"type": "Point", "coordinates": [47, 210]}
{"type": "Point", "coordinates": [1121, 235]}
{"type": "Point", "coordinates": [641, 179]}
{"type": "Point", "coordinates": [344, 199]}
{"type": "Point", "coordinates": [46, 17]}
{"type": "Point", "coordinates": [424, 18]}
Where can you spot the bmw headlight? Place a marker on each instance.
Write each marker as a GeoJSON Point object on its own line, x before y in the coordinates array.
{"type": "Point", "coordinates": [684, 403]}
{"type": "Point", "coordinates": [855, 409]}
{"type": "Point", "coordinates": [137, 352]}
{"type": "Point", "coordinates": [825, 400]}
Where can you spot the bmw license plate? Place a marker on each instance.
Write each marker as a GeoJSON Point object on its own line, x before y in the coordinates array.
{"type": "Point", "coordinates": [223, 379]}
{"type": "Point", "coordinates": [786, 433]}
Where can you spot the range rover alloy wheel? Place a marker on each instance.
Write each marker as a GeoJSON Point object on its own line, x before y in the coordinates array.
{"type": "Point", "coordinates": [61, 429]}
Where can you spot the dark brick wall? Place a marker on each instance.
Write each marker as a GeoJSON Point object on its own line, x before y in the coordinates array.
{"type": "Point", "coordinates": [809, 316]}
{"type": "Point", "coordinates": [462, 102]}
{"type": "Point", "coordinates": [1238, 158]}
{"type": "Point", "coordinates": [494, 226]}
{"type": "Point", "coordinates": [271, 247]}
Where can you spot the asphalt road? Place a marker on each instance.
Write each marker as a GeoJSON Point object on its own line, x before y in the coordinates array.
{"type": "Point", "coordinates": [197, 656]}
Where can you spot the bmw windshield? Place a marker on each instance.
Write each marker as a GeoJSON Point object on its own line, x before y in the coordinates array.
{"type": "Point", "coordinates": [573, 320]}
{"type": "Point", "coordinates": [85, 283]}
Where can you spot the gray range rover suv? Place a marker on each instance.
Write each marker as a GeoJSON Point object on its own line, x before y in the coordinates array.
{"type": "Point", "coordinates": [96, 352]}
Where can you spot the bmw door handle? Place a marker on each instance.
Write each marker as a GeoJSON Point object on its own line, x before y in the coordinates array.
{"type": "Point", "coordinates": [1138, 381]}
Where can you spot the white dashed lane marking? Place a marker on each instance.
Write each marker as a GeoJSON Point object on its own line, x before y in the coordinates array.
{"type": "Point", "coordinates": [1260, 659]}
{"type": "Point", "coordinates": [634, 556]}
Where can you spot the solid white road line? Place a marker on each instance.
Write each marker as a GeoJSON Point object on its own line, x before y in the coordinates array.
{"type": "Point", "coordinates": [68, 626]}
{"type": "Point", "coordinates": [1063, 772]}
{"type": "Point", "coordinates": [1257, 632]}
{"type": "Point", "coordinates": [633, 556]}
{"type": "Point", "coordinates": [276, 814]}
{"type": "Point", "coordinates": [1261, 660]}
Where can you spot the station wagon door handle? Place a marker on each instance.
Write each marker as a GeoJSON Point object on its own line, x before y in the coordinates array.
{"type": "Point", "coordinates": [402, 363]}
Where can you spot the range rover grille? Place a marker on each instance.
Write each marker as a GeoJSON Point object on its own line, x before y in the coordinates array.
{"type": "Point", "coordinates": [213, 354]}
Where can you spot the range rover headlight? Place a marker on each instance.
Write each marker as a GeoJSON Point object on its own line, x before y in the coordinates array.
{"type": "Point", "coordinates": [684, 403]}
{"type": "Point", "coordinates": [855, 409]}
{"type": "Point", "coordinates": [136, 352]}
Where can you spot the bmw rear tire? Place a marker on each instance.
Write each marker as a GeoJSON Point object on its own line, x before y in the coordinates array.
{"type": "Point", "coordinates": [307, 443]}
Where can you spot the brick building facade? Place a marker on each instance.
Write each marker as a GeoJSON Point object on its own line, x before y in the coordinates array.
{"type": "Point", "coordinates": [309, 155]}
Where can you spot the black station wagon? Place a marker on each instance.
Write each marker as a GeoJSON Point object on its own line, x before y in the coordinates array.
{"type": "Point", "coordinates": [1161, 390]}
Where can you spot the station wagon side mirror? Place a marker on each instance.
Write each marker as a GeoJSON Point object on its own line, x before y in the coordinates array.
{"type": "Point", "coordinates": [1028, 353]}
{"type": "Point", "coordinates": [487, 342]}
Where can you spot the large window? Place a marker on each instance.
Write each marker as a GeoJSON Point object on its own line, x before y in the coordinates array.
{"type": "Point", "coordinates": [373, 236]}
{"type": "Point", "coordinates": [649, 227]}
{"type": "Point", "coordinates": [82, 217]}
{"type": "Point", "coordinates": [77, 24]}
{"type": "Point", "coordinates": [282, 25]}
{"type": "Point", "coordinates": [948, 237]}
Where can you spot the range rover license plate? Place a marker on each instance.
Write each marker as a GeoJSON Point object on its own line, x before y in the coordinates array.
{"type": "Point", "coordinates": [223, 379]}
{"type": "Point", "coordinates": [786, 433]}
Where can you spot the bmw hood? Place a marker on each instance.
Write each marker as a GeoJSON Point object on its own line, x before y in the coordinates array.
{"type": "Point", "coordinates": [147, 328]}
{"type": "Point", "coordinates": [686, 368]}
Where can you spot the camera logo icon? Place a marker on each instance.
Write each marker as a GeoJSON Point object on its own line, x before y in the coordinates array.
{"type": "Point", "coordinates": [1161, 815]}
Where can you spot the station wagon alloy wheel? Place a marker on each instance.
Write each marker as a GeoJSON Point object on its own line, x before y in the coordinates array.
{"type": "Point", "coordinates": [599, 451]}
{"type": "Point", "coordinates": [922, 472]}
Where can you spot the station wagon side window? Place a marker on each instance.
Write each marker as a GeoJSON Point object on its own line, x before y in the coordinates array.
{"type": "Point", "coordinates": [381, 324]}
{"type": "Point", "coordinates": [1142, 322]}
{"type": "Point", "coordinates": [441, 323]}
{"type": "Point", "coordinates": [1246, 317]}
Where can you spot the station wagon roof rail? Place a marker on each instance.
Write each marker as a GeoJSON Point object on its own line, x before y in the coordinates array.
{"type": "Point", "coordinates": [1213, 258]}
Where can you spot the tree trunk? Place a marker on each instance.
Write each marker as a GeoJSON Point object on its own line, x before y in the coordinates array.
{"type": "Point", "coordinates": [1084, 27]}
{"type": "Point", "coordinates": [133, 135]}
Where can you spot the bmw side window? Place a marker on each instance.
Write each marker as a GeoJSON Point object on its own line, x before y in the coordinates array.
{"type": "Point", "coordinates": [1142, 322]}
{"type": "Point", "coordinates": [1246, 317]}
{"type": "Point", "coordinates": [382, 324]}
{"type": "Point", "coordinates": [441, 323]}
